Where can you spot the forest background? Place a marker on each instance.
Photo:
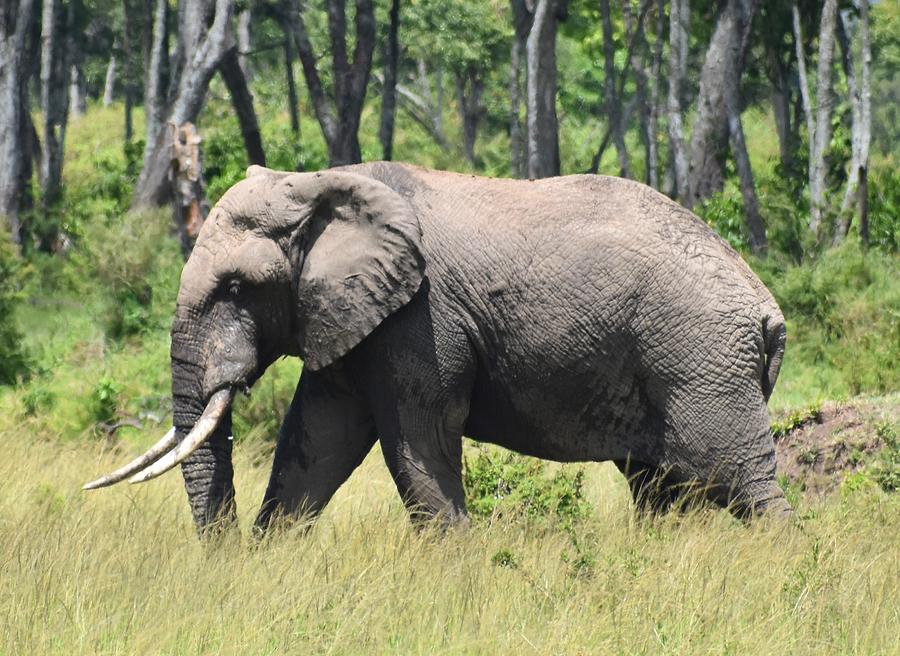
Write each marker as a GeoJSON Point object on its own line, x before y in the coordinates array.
{"type": "Point", "coordinates": [775, 121]}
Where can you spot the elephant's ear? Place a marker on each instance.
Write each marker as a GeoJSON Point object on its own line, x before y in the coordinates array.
{"type": "Point", "coordinates": [358, 255]}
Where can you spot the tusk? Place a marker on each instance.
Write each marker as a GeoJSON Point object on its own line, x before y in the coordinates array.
{"type": "Point", "coordinates": [201, 431]}
{"type": "Point", "coordinates": [152, 455]}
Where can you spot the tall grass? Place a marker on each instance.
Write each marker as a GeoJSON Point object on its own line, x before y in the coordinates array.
{"type": "Point", "coordinates": [121, 572]}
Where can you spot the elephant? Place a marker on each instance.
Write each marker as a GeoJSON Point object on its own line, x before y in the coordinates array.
{"type": "Point", "coordinates": [579, 318]}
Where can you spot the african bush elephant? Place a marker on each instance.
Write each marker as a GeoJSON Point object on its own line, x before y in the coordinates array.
{"type": "Point", "coordinates": [579, 318]}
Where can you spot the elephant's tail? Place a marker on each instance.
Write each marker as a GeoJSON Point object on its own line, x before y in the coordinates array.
{"type": "Point", "coordinates": [774, 337]}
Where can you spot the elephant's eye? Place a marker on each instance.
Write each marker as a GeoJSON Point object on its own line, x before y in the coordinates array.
{"type": "Point", "coordinates": [234, 287]}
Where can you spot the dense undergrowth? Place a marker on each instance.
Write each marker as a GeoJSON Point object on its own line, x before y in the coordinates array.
{"type": "Point", "coordinates": [555, 562]}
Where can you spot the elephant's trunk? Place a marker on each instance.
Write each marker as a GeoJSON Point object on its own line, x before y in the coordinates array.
{"type": "Point", "coordinates": [208, 472]}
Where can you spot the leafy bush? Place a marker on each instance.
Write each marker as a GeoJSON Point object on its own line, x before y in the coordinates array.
{"type": "Point", "coordinates": [500, 483]}
{"type": "Point", "coordinates": [884, 210]}
{"type": "Point", "coordinates": [132, 257]}
{"type": "Point", "coordinates": [843, 314]}
{"type": "Point", "coordinates": [13, 360]}
{"type": "Point", "coordinates": [886, 470]}
{"type": "Point", "coordinates": [103, 404]}
{"type": "Point", "coordinates": [724, 213]}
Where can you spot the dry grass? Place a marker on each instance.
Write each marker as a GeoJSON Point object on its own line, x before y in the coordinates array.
{"type": "Point", "coordinates": [121, 572]}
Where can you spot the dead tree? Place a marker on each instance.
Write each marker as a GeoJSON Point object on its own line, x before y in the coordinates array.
{"type": "Point", "coordinates": [202, 45]}
{"type": "Point", "coordinates": [338, 111]}
{"type": "Point", "coordinates": [15, 24]}
{"type": "Point", "coordinates": [186, 175]}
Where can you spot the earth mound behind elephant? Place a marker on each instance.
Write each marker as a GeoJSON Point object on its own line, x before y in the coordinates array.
{"type": "Point", "coordinates": [580, 318]}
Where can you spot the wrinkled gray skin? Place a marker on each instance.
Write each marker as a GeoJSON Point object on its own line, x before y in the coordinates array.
{"type": "Point", "coordinates": [580, 318]}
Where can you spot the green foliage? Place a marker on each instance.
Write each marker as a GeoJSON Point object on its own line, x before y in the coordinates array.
{"type": "Point", "coordinates": [724, 213]}
{"type": "Point", "coordinates": [103, 405]}
{"type": "Point", "coordinates": [796, 419]}
{"type": "Point", "coordinates": [886, 469]}
{"type": "Point", "coordinates": [13, 359]}
{"type": "Point", "coordinates": [843, 313]}
{"type": "Point", "coordinates": [500, 483]}
{"type": "Point", "coordinates": [130, 257]}
{"type": "Point", "coordinates": [884, 209]}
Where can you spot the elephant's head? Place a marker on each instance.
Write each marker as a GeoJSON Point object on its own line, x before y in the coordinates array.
{"type": "Point", "coordinates": [304, 264]}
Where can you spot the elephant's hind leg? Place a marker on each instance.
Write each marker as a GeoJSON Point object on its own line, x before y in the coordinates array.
{"type": "Point", "coordinates": [326, 434]}
{"type": "Point", "coordinates": [655, 490]}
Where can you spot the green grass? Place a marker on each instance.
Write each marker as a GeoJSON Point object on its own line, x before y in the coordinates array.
{"type": "Point", "coordinates": [119, 571]}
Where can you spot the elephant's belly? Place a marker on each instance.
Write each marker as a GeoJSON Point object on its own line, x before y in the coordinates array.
{"type": "Point", "coordinates": [567, 415]}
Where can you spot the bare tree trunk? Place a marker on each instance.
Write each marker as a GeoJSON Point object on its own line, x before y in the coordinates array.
{"type": "Point", "coordinates": [864, 205]}
{"type": "Point", "coordinates": [244, 20]}
{"type": "Point", "coordinates": [15, 22]}
{"type": "Point", "coordinates": [109, 83]}
{"type": "Point", "coordinates": [781, 108]}
{"type": "Point", "coordinates": [758, 242]}
{"type": "Point", "coordinates": [516, 142]}
{"type": "Point", "coordinates": [860, 101]}
{"type": "Point", "coordinates": [55, 72]}
{"type": "Point", "coordinates": [818, 126]}
{"type": "Point", "coordinates": [291, 84]}
{"type": "Point", "coordinates": [710, 133]}
{"type": "Point", "coordinates": [469, 91]}
{"type": "Point", "coordinates": [654, 100]}
{"type": "Point", "coordinates": [191, 207]}
{"type": "Point", "coordinates": [612, 102]}
{"type": "Point", "coordinates": [543, 127]}
{"type": "Point", "coordinates": [77, 92]}
{"type": "Point", "coordinates": [242, 101]}
{"type": "Point", "coordinates": [340, 123]}
{"type": "Point", "coordinates": [389, 88]}
{"type": "Point", "coordinates": [678, 19]}
{"type": "Point", "coordinates": [204, 49]}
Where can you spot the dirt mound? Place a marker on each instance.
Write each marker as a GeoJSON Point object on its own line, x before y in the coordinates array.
{"type": "Point", "coordinates": [817, 449]}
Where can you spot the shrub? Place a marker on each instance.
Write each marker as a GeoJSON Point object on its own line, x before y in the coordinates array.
{"type": "Point", "coordinates": [13, 359]}
{"type": "Point", "coordinates": [133, 258]}
{"type": "Point", "coordinates": [498, 483]}
{"type": "Point", "coordinates": [103, 404]}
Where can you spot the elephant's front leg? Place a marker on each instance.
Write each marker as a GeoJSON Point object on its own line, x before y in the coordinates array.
{"type": "Point", "coordinates": [326, 434]}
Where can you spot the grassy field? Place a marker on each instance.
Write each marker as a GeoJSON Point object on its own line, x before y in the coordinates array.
{"type": "Point", "coordinates": [120, 572]}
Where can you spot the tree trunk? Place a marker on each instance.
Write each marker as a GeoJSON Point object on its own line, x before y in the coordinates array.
{"type": "Point", "coordinates": [758, 242]}
{"type": "Point", "coordinates": [860, 101]}
{"type": "Point", "coordinates": [612, 101]}
{"type": "Point", "coordinates": [389, 88]}
{"type": "Point", "coordinates": [77, 92]}
{"type": "Point", "coordinates": [242, 101]}
{"type": "Point", "coordinates": [820, 136]}
{"type": "Point", "coordinates": [15, 22]}
{"type": "Point", "coordinates": [203, 49]}
{"type": "Point", "coordinates": [516, 141]}
{"type": "Point", "coordinates": [191, 207]}
{"type": "Point", "coordinates": [244, 21]}
{"type": "Point", "coordinates": [543, 129]}
{"type": "Point", "coordinates": [469, 90]}
{"type": "Point", "coordinates": [678, 18]}
{"type": "Point", "coordinates": [339, 120]}
{"type": "Point", "coordinates": [109, 83]}
{"type": "Point", "coordinates": [655, 104]}
{"type": "Point", "coordinates": [710, 134]}
{"type": "Point", "coordinates": [55, 72]}
{"type": "Point", "coordinates": [291, 84]}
